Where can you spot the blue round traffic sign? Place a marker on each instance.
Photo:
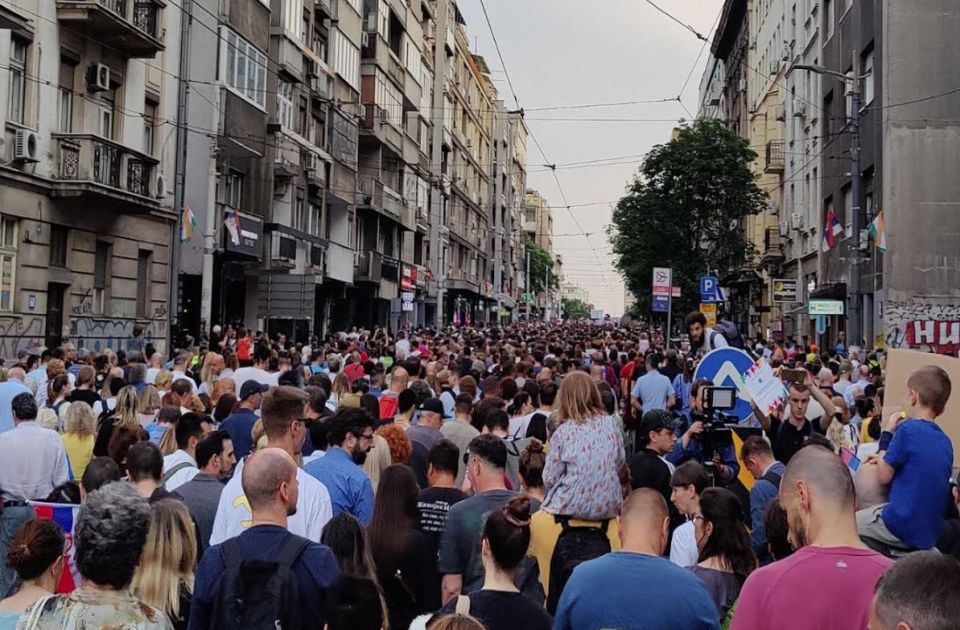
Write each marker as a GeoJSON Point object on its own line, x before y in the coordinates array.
{"type": "Point", "coordinates": [725, 367]}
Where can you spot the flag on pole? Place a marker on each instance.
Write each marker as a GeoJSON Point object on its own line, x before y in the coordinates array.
{"type": "Point", "coordinates": [832, 230]}
{"type": "Point", "coordinates": [232, 223]}
{"type": "Point", "coordinates": [877, 233]}
{"type": "Point", "coordinates": [188, 223]}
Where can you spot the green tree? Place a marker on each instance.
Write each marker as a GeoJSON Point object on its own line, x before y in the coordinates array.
{"type": "Point", "coordinates": [683, 210]}
{"type": "Point", "coordinates": [575, 309]}
{"type": "Point", "coordinates": [541, 266]}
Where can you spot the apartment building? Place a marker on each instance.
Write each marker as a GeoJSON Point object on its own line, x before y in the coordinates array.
{"type": "Point", "coordinates": [86, 214]}
{"type": "Point", "coordinates": [538, 220]}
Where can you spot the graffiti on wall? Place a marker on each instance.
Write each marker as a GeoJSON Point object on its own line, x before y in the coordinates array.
{"type": "Point", "coordinates": [923, 326]}
{"type": "Point", "coordinates": [20, 333]}
{"type": "Point", "coordinates": [97, 334]}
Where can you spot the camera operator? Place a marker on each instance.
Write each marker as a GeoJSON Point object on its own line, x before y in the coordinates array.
{"type": "Point", "coordinates": [692, 438]}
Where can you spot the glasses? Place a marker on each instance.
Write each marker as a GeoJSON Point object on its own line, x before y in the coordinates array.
{"type": "Point", "coordinates": [698, 517]}
{"type": "Point", "coordinates": [366, 436]}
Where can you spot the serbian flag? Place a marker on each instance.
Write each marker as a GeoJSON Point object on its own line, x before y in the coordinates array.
{"type": "Point", "coordinates": [832, 230]}
{"type": "Point", "coordinates": [188, 223]}
{"type": "Point", "coordinates": [64, 515]}
{"type": "Point", "coordinates": [877, 233]}
{"type": "Point", "coordinates": [232, 223]}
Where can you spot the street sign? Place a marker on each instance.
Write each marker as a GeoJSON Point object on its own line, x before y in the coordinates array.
{"type": "Point", "coordinates": [661, 303]}
{"type": "Point", "coordinates": [825, 307]}
{"type": "Point", "coordinates": [709, 311]}
{"type": "Point", "coordinates": [662, 280]}
{"type": "Point", "coordinates": [676, 292]}
{"type": "Point", "coordinates": [406, 296]}
{"type": "Point", "coordinates": [726, 367]}
{"type": "Point", "coordinates": [785, 291]}
{"type": "Point", "coordinates": [527, 297]}
{"type": "Point", "coordinates": [406, 306]}
{"type": "Point", "coordinates": [710, 289]}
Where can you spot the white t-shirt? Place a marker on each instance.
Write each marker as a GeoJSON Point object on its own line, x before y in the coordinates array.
{"type": "Point", "coordinates": [713, 340]}
{"type": "Point", "coordinates": [314, 509]}
{"type": "Point", "coordinates": [183, 475]}
{"type": "Point", "coordinates": [683, 547]}
{"type": "Point", "coordinates": [403, 348]}
{"type": "Point", "coordinates": [519, 424]}
{"type": "Point", "coordinates": [244, 374]}
{"type": "Point", "coordinates": [152, 375]}
{"type": "Point", "coordinates": [181, 376]}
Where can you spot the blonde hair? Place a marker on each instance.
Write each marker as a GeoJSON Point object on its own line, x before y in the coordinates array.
{"type": "Point", "coordinates": [128, 408]}
{"type": "Point", "coordinates": [221, 387]}
{"type": "Point", "coordinates": [206, 372]}
{"type": "Point", "coordinates": [81, 419]}
{"type": "Point", "coordinates": [168, 443]}
{"type": "Point", "coordinates": [164, 380]}
{"type": "Point", "coordinates": [47, 418]}
{"type": "Point", "coordinates": [149, 400]}
{"type": "Point", "coordinates": [257, 432]}
{"type": "Point", "coordinates": [168, 559]}
{"type": "Point", "coordinates": [579, 399]}
{"type": "Point", "coordinates": [193, 403]}
{"type": "Point", "coordinates": [55, 367]}
{"type": "Point", "coordinates": [341, 385]}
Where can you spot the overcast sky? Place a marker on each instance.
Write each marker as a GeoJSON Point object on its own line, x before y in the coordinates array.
{"type": "Point", "coordinates": [572, 52]}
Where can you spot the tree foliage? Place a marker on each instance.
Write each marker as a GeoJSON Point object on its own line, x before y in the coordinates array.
{"type": "Point", "coordinates": [575, 309]}
{"type": "Point", "coordinates": [541, 266]}
{"type": "Point", "coordinates": [683, 210]}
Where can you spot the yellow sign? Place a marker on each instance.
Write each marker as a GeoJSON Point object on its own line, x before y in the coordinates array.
{"type": "Point", "coordinates": [710, 312]}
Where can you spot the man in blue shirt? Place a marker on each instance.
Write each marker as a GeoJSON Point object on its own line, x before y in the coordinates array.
{"type": "Point", "coordinates": [915, 458]}
{"type": "Point", "coordinates": [690, 438]}
{"type": "Point", "coordinates": [239, 424]}
{"type": "Point", "coordinates": [652, 390]}
{"type": "Point", "coordinates": [671, 598]}
{"type": "Point", "coordinates": [8, 391]}
{"type": "Point", "coordinates": [350, 433]}
{"type": "Point", "coordinates": [271, 488]}
{"type": "Point", "coordinates": [758, 459]}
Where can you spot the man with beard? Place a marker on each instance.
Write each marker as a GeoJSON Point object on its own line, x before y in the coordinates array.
{"type": "Point", "coordinates": [350, 434]}
{"type": "Point", "coordinates": [234, 572]}
{"type": "Point", "coordinates": [828, 583]}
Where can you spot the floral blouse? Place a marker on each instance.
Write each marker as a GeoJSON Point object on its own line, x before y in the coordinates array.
{"type": "Point", "coordinates": [581, 472]}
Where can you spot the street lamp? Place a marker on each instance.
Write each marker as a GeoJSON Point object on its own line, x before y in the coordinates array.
{"type": "Point", "coordinates": [855, 320]}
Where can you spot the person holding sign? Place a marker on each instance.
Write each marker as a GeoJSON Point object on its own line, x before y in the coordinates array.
{"type": "Point", "coordinates": [787, 434]}
{"type": "Point", "coordinates": [915, 459]}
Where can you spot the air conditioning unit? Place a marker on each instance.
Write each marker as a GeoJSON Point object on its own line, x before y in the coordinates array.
{"type": "Point", "coordinates": [796, 221]}
{"type": "Point", "coordinates": [469, 143]}
{"type": "Point", "coordinates": [161, 188]}
{"type": "Point", "coordinates": [364, 39]}
{"type": "Point", "coordinates": [311, 161]}
{"type": "Point", "coordinates": [784, 228]}
{"type": "Point", "coordinates": [25, 146]}
{"type": "Point", "coordinates": [383, 115]}
{"type": "Point", "coordinates": [742, 86]}
{"type": "Point", "coordinates": [98, 77]}
{"type": "Point", "coordinates": [775, 66]}
{"type": "Point", "coordinates": [781, 111]}
{"type": "Point", "coordinates": [775, 208]}
{"type": "Point", "coordinates": [800, 109]}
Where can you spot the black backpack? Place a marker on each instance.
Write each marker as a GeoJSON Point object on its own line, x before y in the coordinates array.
{"type": "Point", "coordinates": [729, 331]}
{"type": "Point", "coordinates": [259, 594]}
{"type": "Point", "coordinates": [574, 546]}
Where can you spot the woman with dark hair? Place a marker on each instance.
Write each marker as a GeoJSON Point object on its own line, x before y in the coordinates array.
{"type": "Point", "coordinates": [726, 557]}
{"type": "Point", "coordinates": [224, 407]}
{"type": "Point", "coordinates": [36, 554]}
{"type": "Point", "coordinates": [499, 604]}
{"type": "Point", "coordinates": [347, 539]}
{"type": "Point", "coordinates": [404, 557]}
{"type": "Point", "coordinates": [532, 460]}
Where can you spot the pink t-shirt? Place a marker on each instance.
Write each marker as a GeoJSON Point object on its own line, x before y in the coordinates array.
{"type": "Point", "coordinates": [816, 587]}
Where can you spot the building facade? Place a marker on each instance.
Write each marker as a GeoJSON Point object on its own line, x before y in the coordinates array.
{"type": "Point", "coordinates": [86, 214]}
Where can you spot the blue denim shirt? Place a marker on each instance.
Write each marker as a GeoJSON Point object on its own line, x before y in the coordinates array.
{"type": "Point", "coordinates": [694, 450]}
{"type": "Point", "coordinates": [349, 487]}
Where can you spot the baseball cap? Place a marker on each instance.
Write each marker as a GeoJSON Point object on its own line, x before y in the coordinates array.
{"type": "Point", "coordinates": [432, 404]}
{"type": "Point", "coordinates": [252, 387]}
{"type": "Point", "coordinates": [654, 420]}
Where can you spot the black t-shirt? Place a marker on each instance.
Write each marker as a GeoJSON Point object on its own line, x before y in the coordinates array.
{"type": "Point", "coordinates": [434, 504]}
{"type": "Point", "coordinates": [500, 610]}
{"type": "Point", "coordinates": [787, 439]}
{"type": "Point", "coordinates": [84, 395]}
{"type": "Point", "coordinates": [413, 587]}
{"type": "Point", "coordinates": [671, 371]}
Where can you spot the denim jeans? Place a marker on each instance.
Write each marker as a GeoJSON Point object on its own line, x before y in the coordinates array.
{"type": "Point", "coordinates": [10, 521]}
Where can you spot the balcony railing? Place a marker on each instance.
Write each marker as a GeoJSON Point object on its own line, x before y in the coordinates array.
{"type": "Point", "coordinates": [773, 162]}
{"type": "Point", "coordinates": [131, 26]}
{"type": "Point", "coordinates": [88, 159]}
{"type": "Point", "coordinates": [772, 246]}
{"type": "Point", "coordinates": [368, 266]}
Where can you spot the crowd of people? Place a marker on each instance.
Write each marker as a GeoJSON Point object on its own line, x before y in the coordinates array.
{"type": "Point", "coordinates": [566, 475]}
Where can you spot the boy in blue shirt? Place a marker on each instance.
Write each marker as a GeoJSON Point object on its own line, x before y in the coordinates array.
{"type": "Point", "coordinates": [915, 459]}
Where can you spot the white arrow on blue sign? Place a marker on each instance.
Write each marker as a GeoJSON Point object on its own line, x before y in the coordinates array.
{"type": "Point", "coordinates": [725, 367]}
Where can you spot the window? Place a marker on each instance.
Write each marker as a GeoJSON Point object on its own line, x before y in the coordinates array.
{"type": "Point", "coordinates": [346, 59]}
{"type": "Point", "coordinates": [302, 111]}
{"type": "Point", "coordinates": [828, 18]}
{"type": "Point", "coordinates": [387, 96]}
{"type": "Point", "coordinates": [868, 81]}
{"type": "Point", "coordinates": [234, 190]}
{"type": "Point", "coordinates": [101, 277]}
{"type": "Point", "coordinates": [357, 5]}
{"type": "Point", "coordinates": [285, 104]}
{"type": "Point", "coordinates": [143, 284]}
{"type": "Point", "coordinates": [297, 221]}
{"type": "Point", "coordinates": [246, 69]}
{"type": "Point", "coordinates": [318, 135]}
{"type": "Point", "coordinates": [8, 261]}
{"type": "Point", "coordinates": [18, 71]}
{"type": "Point", "coordinates": [314, 219]}
{"type": "Point", "coordinates": [65, 96]}
{"type": "Point", "coordinates": [58, 246]}
{"type": "Point", "coordinates": [149, 125]}
{"type": "Point", "coordinates": [108, 103]}
{"type": "Point", "coordinates": [292, 10]}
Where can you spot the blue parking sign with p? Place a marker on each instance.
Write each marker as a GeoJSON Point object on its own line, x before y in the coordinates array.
{"type": "Point", "coordinates": [709, 289]}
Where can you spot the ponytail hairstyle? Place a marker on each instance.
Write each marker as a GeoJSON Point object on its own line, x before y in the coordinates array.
{"type": "Point", "coordinates": [532, 461]}
{"type": "Point", "coordinates": [35, 547]}
{"type": "Point", "coordinates": [519, 400]}
{"type": "Point", "coordinates": [507, 531]}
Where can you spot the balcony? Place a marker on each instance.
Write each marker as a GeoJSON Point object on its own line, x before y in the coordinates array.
{"type": "Point", "coordinates": [395, 70]}
{"type": "Point", "coordinates": [376, 120]}
{"type": "Point", "coordinates": [772, 247]}
{"type": "Point", "coordinates": [95, 169]}
{"type": "Point", "coordinates": [368, 266]}
{"type": "Point", "coordinates": [773, 160]}
{"type": "Point", "coordinates": [392, 202]}
{"type": "Point", "coordinates": [130, 26]}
